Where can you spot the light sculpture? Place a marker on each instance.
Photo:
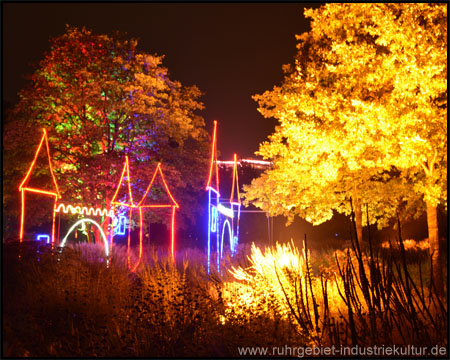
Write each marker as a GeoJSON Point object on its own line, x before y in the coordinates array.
{"type": "Point", "coordinates": [172, 204]}
{"type": "Point", "coordinates": [220, 215]}
{"type": "Point", "coordinates": [236, 207]}
{"type": "Point", "coordinates": [84, 210]}
{"type": "Point", "coordinates": [131, 205]}
{"type": "Point", "coordinates": [43, 236]}
{"type": "Point", "coordinates": [142, 205]}
{"type": "Point", "coordinates": [225, 225]}
{"type": "Point", "coordinates": [23, 187]}
{"type": "Point", "coordinates": [119, 223]}
{"type": "Point", "coordinates": [83, 221]}
{"type": "Point", "coordinates": [252, 162]}
{"type": "Point", "coordinates": [213, 200]}
{"type": "Point", "coordinates": [214, 219]}
{"type": "Point", "coordinates": [225, 211]}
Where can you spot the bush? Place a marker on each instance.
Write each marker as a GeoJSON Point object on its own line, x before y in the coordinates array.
{"type": "Point", "coordinates": [356, 299]}
{"type": "Point", "coordinates": [75, 303]}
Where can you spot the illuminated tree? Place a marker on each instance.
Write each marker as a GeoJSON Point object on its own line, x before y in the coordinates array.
{"type": "Point", "coordinates": [366, 98]}
{"type": "Point", "coordinates": [100, 99]}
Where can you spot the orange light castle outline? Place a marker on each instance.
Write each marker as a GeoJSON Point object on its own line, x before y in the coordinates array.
{"type": "Point", "coordinates": [83, 210]}
{"type": "Point", "coordinates": [131, 205]}
{"type": "Point", "coordinates": [215, 207]}
{"type": "Point", "coordinates": [23, 187]}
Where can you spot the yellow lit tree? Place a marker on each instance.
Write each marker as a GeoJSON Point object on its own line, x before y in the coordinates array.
{"type": "Point", "coordinates": [365, 99]}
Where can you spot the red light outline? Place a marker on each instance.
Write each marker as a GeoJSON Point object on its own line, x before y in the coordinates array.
{"type": "Point", "coordinates": [97, 211]}
{"type": "Point", "coordinates": [173, 232]}
{"type": "Point", "coordinates": [235, 177]}
{"type": "Point", "coordinates": [140, 234]}
{"type": "Point", "coordinates": [22, 215]}
{"type": "Point", "coordinates": [118, 186]}
{"type": "Point", "coordinates": [140, 241]}
{"type": "Point", "coordinates": [156, 206]}
{"type": "Point", "coordinates": [213, 160]}
{"type": "Point", "coordinates": [129, 180]}
{"type": "Point", "coordinates": [112, 236]}
{"type": "Point", "coordinates": [126, 168]}
{"type": "Point", "coordinates": [39, 191]}
{"type": "Point", "coordinates": [53, 223]}
{"type": "Point", "coordinates": [129, 238]}
{"type": "Point", "coordinates": [174, 203]}
{"type": "Point", "coordinates": [23, 187]}
{"type": "Point", "coordinates": [27, 176]}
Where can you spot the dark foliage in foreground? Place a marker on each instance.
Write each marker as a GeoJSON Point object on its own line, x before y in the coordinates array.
{"type": "Point", "coordinates": [71, 304]}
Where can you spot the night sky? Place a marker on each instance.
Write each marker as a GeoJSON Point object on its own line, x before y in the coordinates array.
{"type": "Point", "coordinates": [231, 51]}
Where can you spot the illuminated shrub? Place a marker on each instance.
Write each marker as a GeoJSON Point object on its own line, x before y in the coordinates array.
{"type": "Point", "coordinates": [354, 299]}
{"type": "Point", "coordinates": [280, 283]}
{"type": "Point", "coordinates": [71, 304]}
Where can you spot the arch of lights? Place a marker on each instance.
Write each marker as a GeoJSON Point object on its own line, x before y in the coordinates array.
{"type": "Point", "coordinates": [118, 222]}
{"type": "Point", "coordinates": [82, 221]}
{"type": "Point", "coordinates": [221, 213]}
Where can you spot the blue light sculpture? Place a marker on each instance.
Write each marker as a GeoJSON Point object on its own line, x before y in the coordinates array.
{"type": "Point", "coordinates": [219, 215]}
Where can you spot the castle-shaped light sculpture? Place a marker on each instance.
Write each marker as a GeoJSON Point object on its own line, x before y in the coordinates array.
{"type": "Point", "coordinates": [222, 215]}
{"type": "Point", "coordinates": [23, 187]}
{"type": "Point", "coordinates": [140, 206]}
{"type": "Point", "coordinates": [118, 222]}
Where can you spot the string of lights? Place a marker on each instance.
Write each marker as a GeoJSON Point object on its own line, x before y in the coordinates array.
{"type": "Point", "coordinates": [217, 208]}
{"type": "Point", "coordinates": [84, 210]}
{"type": "Point", "coordinates": [140, 205]}
{"type": "Point", "coordinates": [23, 187]}
{"type": "Point", "coordinates": [262, 163]}
{"type": "Point", "coordinates": [116, 221]}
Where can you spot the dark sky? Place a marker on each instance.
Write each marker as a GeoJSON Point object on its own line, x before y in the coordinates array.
{"type": "Point", "coordinates": [231, 51]}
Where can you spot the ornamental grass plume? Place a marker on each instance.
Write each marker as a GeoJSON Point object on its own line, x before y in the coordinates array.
{"type": "Point", "coordinates": [377, 299]}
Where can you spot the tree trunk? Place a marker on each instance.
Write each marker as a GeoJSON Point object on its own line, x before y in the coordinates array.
{"type": "Point", "coordinates": [87, 233]}
{"type": "Point", "coordinates": [358, 219]}
{"type": "Point", "coordinates": [433, 238]}
{"type": "Point", "coordinates": [106, 220]}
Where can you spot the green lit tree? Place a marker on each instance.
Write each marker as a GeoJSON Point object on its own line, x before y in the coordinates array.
{"type": "Point", "coordinates": [100, 98]}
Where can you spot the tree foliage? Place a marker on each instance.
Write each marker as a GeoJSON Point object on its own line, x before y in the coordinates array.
{"type": "Point", "coordinates": [100, 98]}
{"type": "Point", "coordinates": [362, 114]}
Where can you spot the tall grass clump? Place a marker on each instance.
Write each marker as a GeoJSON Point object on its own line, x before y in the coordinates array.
{"type": "Point", "coordinates": [172, 312]}
{"type": "Point", "coordinates": [279, 283]}
{"type": "Point", "coordinates": [61, 304]}
{"type": "Point", "coordinates": [74, 303]}
{"type": "Point", "coordinates": [364, 299]}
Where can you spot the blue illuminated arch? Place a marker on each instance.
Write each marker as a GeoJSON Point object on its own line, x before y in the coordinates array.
{"type": "Point", "coordinates": [214, 219]}
{"type": "Point", "coordinates": [226, 223]}
{"type": "Point", "coordinates": [218, 212]}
